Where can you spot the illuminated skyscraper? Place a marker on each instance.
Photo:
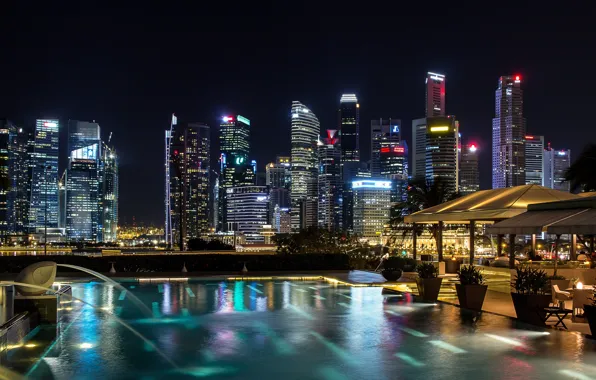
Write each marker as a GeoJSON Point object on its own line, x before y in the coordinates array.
{"type": "Point", "coordinates": [534, 157]}
{"type": "Point", "coordinates": [43, 211]}
{"type": "Point", "coordinates": [382, 131]}
{"type": "Point", "coordinates": [15, 180]}
{"type": "Point", "coordinates": [190, 173]}
{"type": "Point", "coordinates": [277, 177]}
{"type": "Point", "coordinates": [349, 128]}
{"type": "Point", "coordinates": [372, 203]}
{"type": "Point", "coordinates": [435, 94]}
{"type": "Point", "coordinates": [305, 166]}
{"type": "Point", "coordinates": [394, 162]}
{"type": "Point", "coordinates": [509, 131]}
{"type": "Point", "coordinates": [419, 148]}
{"type": "Point", "coordinates": [442, 155]}
{"type": "Point", "coordinates": [247, 211]}
{"type": "Point", "coordinates": [556, 163]}
{"type": "Point", "coordinates": [110, 193]}
{"type": "Point", "coordinates": [469, 180]}
{"type": "Point", "coordinates": [330, 185]}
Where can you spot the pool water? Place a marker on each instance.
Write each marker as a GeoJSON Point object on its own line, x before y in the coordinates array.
{"type": "Point", "coordinates": [290, 330]}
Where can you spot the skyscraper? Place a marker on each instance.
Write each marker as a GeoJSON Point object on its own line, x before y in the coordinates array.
{"type": "Point", "coordinates": [394, 161]}
{"type": "Point", "coordinates": [556, 163]}
{"type": "Point", "coordinates": [305, 166]}
{"type": "Point", "coordinates": [235, 168]}
{"type": "Point", "coordinates": [509, 131]}
{"type": "Point", "coordinates": [534, 150]}
{"type": "Point", "coordinates": [469, 179]}
{"type": "Point", "coordinates": [349, 128]}
{"type": "Point", "coordinates": [43, 211]}
{"type": "Point", "coordinates": [419, 148]}
{"type": "Point", "coordinates": [83, 189]}
{"type": "Point", "coordinates": [110, 193]}
{"type": "Point", "coordinates": [15, 183]}
{"type": "Point", "coordinates": [435, 94]}
{"type": "Point", "coordinates": [442, 155]}
{"type": "Point", "coordinates": [372, 202]}
{"type": "Point", "coordinates": [190, 174]}
{"type": "Point", "coordinates": [382, 131]}
{"type": "Point", "coordinates": [330, 185]}
{"type": "Point", "coordinates": [247, 211]}
{"type": "Point", "coordinates": [277, 177]}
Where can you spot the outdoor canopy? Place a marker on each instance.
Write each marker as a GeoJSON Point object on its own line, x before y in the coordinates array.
{"type": "Point", "coordinates": [489, 205]}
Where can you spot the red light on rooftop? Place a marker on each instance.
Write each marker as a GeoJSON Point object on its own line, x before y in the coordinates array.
{"type": "Point", "coordinates": [518, 78]}
{"type": "Point", "coordinates": [399, 149]}
{"type": "Point", "coordinates": [529, 137]}
{"type": "Point", "coordinates": [384, 150]}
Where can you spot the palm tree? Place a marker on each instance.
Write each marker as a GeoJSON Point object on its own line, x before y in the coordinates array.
{"type": "Point", "coordinates": [421, 194]}
{"type": "Point", "coordinates": [582, 173]}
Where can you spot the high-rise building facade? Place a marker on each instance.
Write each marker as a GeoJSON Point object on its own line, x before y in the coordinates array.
{"type": "Point", "coordinates": [247, 211]}
{"type": "Point", "coordinates": [190, 175]}
{"type": "Point", "coordinates": [83, 192]}
{"type": "Point", "coordinates": [383, 132]}
{"type": "Point", "coordinates": [110, 193]}
{"type": "Point", "coordinates": [469, 178]}
{"type": "Point", "coordinates": [15, 185]}
{"type": "Point", "coordinates": [349, 127]}
{"type": "Point", "coordinates": [304, 166]}
{"type": "Point", "coordinates": [435, 94]}
{"type": "Point", "coordinates": [330, 185]}
{"type": "Point", "coordinates": [43, 162]}
{"type": "Point", "coordinates": [442, 153]}
{"type": "Point", "coordinates": [534, 150]}
{"type": "Point", "coordinates": [278, 173]}
{"type": "Point", "coordinates": [419, 148]}
{"type": "Point", "coordinates": [509, 131]}
{"type": "Point", "coordinates": [394, 161]}
{"type": "Point", "coordinates": [556, 163]}
{"type": "Point", "coordinates": [372, 203]}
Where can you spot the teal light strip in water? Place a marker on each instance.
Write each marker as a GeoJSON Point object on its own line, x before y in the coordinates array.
{"type": "Point", "coordinates": [447, 346]}
{"type": "Point", "coordinates": [575, 374]}
{"type": "Point", "coordinates": [301, 290]}
{"type": "Point", "coordinates": [340, 352]}
{"type": "Point", "coordinates": [410, 360]}
{"type": "Point", "coordinates": [255, 289]}
{"type": "Point", "coordinates": [190, 292]}
{"type": "Point", "coordinates": [122, 295]}
{"type": "Point", "coordinates": [344, 305]}
{"type": "Point", "coordinates": [413, 332]}
{"type": "Point", "coordinates": [344, 295]}
{"type": "Point", "coordinates": [300, 312]}
{"type": "Point", "coordinates": [319, 297]}
{"type": "Point", "coordinates": [155, 309]}
{"type": "Point", "coordinates": [393, 313]}
{"type": "Point", "coordinates": [160, 288]}
{"type": "Point", "coordinates": [330, 373]}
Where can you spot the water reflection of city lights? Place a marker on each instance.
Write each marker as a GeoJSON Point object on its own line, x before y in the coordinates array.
{"type": "Point", "coordinates": [85, 346]}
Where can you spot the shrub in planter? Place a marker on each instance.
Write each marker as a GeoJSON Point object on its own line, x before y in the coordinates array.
{"type": "Point", "coordinates": [428, 282]}
{"type": "Point", "coordinates": [395, 266]}
{"type": "Point", "coordinates": [590, 312]}
{"type": "Point", "coordinates": [529, 298]}
{"type": "Point", "coordinates": [471, 289]}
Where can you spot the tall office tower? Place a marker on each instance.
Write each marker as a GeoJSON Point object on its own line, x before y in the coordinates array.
{"type": "Point", "coordinates": [189, 177]}
{"type": "Point", "coordinates": [349, 128]}
{"type": "Point", "coordinates": [169, 135]}
{"type": "Point", "coordinates": [534, 157]}
{"type": "Point", "coordinates": [247, 211]}
{"type": "Point", "coordinates": [442, 155]}
{"type": "Point", "coordinates": [43, 162]}
{"type": "Point", "coordinates": [419, 148]}
{"type": "Point", "coordinates": [509, 131]}
{"type": "Point", "coordinates": [469, 179]}
{"type": "Point", "coordinates": [372, 203]}
{"type": "Point", "coordinates": [277, 174]}
{"type": "Point", "coordinates": [110, 194]}
{"type": "Point", "coordinates": [330, 185]}
{"type": "Point", "coordinates": [235, 168]}
{"type": "Point", "coordinates": [394, 162]}
{"type": "Point", "coordinates": [556, 163]}
{"type": "Point", "coordinates": [15, 180]}
{"type": "Point", "coordinates": [382, 131]}
{"type": "Point", "coordinates": [435, 94]}
{"type": "Point", "coordinates": [351, 171]}
{"type": "Point", "coordinates": [304, 166]}
{"type": "Point", "coordinates": [83, 178]}
{"type": "Point", "coordinates": [62, 200]}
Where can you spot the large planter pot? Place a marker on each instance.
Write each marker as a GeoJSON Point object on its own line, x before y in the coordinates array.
{"type": "Point", "coordinates": [428, 288]}
{"type": "Point", "coordinates": [590, 312]}
{"type": "Point", "coordinates": [530, 307]}
{"type": "Point", "coordinates": [471, 296]}
{"type": "Point", "coordinates": [452, 266]}
{"type": "Point", "coordinates": [392, 274]}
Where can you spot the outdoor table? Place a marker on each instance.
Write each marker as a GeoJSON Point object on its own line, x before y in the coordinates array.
{"type": "Point", "coordinates": [557, 312]}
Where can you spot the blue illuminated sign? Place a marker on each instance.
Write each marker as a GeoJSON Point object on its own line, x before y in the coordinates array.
{"type": "Point", "coordinates": [371, 184]}
{"type": "Point", "coordinates": [395, 129]}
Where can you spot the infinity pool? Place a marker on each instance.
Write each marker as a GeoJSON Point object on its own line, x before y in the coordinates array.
{"type": "Point", "coordinates": [289, 330]}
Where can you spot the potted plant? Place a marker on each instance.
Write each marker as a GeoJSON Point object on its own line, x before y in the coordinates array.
{"type": "Point", "coordinates": [428, 281]}
{"type": "Point", "coordinates": [529, 298]}
{"type": "Point", "coordinates": [590, 314]}
{"type": "Point", "coordinates": [395, 266]}
{"type": "Point", "coordinates": [471, 289]}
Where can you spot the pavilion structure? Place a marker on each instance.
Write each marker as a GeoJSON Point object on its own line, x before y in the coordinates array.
{"type": "Point", "coordinates": [486, 207]}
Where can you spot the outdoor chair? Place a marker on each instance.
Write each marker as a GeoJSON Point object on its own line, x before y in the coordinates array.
{"type": "Point", "coordinates": [561, 296]}
{"type": "Point", "coordinates": [580, 298]}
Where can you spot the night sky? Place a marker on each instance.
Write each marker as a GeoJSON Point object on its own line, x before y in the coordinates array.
{"type": "Point", "coordinates": [130, 68]}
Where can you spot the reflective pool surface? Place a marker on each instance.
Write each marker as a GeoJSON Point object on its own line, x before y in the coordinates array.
{"type": "Point", "coordinates": [290, 330]}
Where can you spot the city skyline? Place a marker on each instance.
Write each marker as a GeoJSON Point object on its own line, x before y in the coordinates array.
{"type": "Point", "coordinates": [133, 96]}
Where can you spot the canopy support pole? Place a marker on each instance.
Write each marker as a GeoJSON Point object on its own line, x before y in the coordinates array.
{"type": "Point", "coordinates": [511, 251]}
{"type": "Point", "coordinates": [573, 248]}
{"type": "Point", "coordinates": [472, 235]}
{"type": "Point", "coordinates": [414, 240]}
{"type": "Point", "coordinates": [499, 245]}
{"type": "Point", "coordinates": [440, 241]}
{"type": "Point", "coordinates": [534, 244]}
